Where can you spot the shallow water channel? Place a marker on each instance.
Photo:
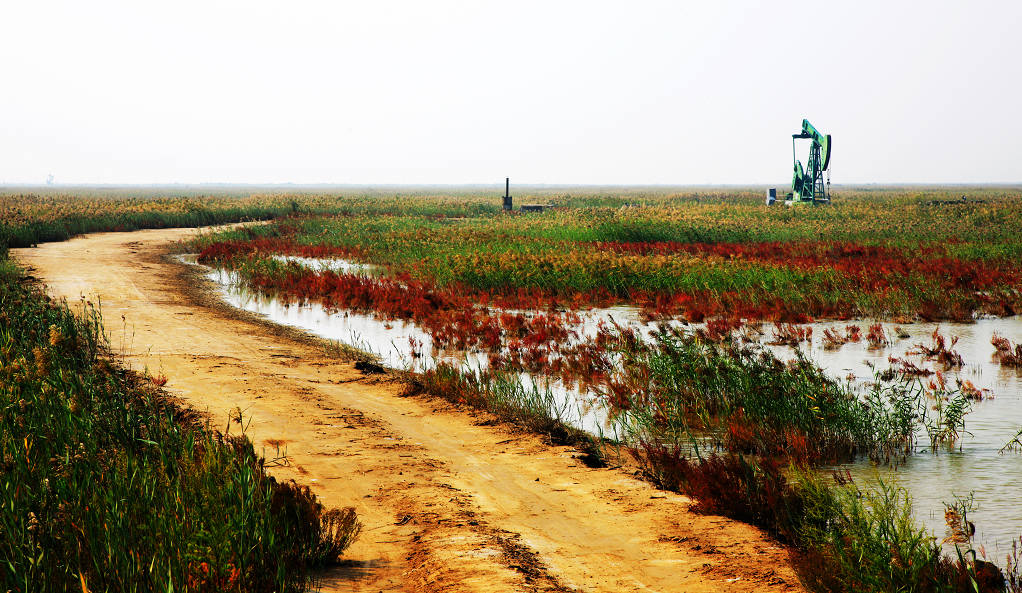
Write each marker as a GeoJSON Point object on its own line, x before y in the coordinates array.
{"type": "Point", "coordinates": [975, 466]}
{"type": "Point", "coordinates": [402, 345]}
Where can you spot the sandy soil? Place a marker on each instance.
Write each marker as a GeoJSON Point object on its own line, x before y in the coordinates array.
{"type": "Point", "coordinates": [450, 500]}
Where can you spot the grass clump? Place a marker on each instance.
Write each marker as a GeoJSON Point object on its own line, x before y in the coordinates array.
{"type": "Point", "coordinates": [846, 538]}
{"type": "Point", "coordinates": [105, 485]}
{"type": "Point", "coordinates": [744, 399]}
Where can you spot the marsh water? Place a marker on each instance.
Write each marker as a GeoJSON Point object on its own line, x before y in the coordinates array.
{"type": "Point", "coordinates": [975, 466]}
{"type": "Point", "coordinates": [403, 345]}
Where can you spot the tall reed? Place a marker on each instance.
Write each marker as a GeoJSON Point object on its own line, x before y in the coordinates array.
{"type": "Point", "coordinates": [107, 485]}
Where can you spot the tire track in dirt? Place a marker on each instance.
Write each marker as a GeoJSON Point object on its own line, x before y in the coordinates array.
{"type": "Point", "coordinates": [449, 501]}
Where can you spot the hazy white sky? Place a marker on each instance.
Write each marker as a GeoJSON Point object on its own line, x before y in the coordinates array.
{"type": "Point", "coordinates": [471, 92]}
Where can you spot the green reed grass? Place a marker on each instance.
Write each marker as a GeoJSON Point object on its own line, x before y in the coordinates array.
{"type": "Point", "coordinates": [105, 485]}
{"type": "Point", "coordinates": [867, 540]}
{"type": "Point", "coordinates": [747, 399]}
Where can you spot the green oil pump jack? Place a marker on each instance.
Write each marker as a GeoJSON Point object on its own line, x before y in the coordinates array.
{"type": "Point", "coordinates": [807, 184]}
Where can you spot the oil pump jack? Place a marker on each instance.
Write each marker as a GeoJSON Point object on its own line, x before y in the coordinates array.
{"type": "Point", "coordinates": [807, 184]}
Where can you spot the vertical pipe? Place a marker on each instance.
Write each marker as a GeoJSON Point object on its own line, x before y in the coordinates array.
{"type": "Point", "coordinates": [793, 161]}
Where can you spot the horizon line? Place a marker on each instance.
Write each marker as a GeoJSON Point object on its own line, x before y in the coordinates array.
{"type": "Point", "coordinates": [217, 184]}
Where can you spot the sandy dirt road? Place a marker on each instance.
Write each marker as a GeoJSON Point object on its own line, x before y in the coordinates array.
{"type": "Point", "coordinates": [449, 501]}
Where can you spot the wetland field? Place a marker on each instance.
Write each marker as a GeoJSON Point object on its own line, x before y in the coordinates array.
{"type": "Point", "coordinates": [845, 378]}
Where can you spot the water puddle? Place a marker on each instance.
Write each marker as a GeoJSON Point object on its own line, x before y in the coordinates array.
{"type": "Point", "coordinates": [931, 478]}
{"type": "Point", "coordinates": [324, 264]}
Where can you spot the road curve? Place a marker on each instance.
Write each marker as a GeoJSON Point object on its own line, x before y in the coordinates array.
{"type": "Point", "coordinates": [450, 501]}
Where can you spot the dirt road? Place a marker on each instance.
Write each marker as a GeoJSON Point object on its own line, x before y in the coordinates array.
{"type": "Point", "coordinates": [450, 502]}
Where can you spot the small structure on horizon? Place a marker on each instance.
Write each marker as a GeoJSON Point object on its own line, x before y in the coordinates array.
{"type": "Point", "coordinates": [507, 195]}
{"type": "Point", "coordinates": [508, 206]}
